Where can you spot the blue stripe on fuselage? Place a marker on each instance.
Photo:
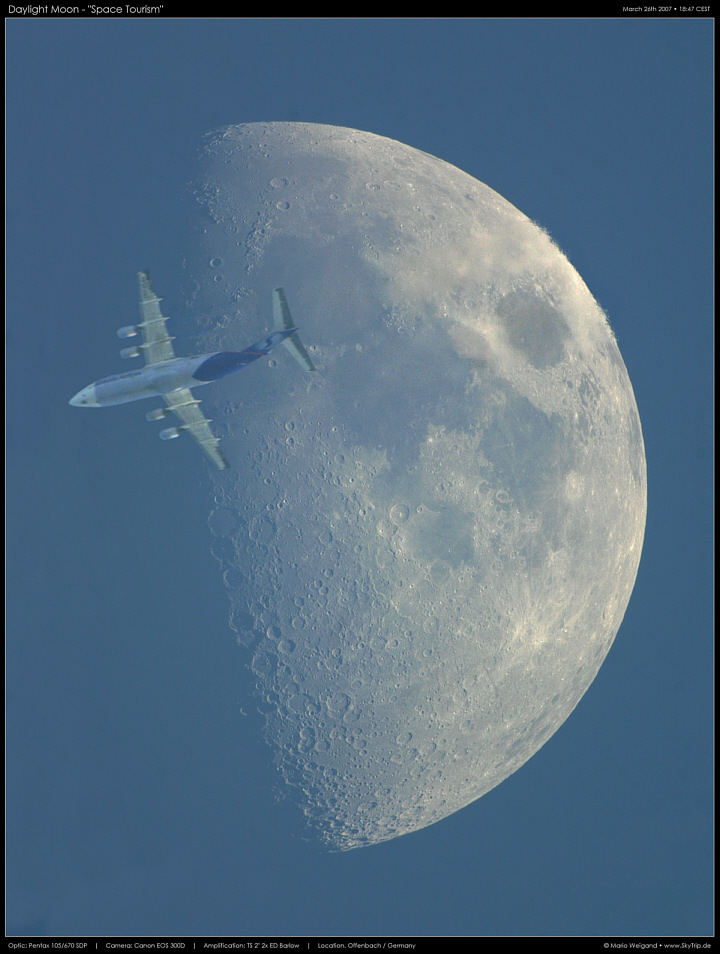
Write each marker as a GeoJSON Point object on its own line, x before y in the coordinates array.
{"type": "Point", "coordinates": [225, 362]}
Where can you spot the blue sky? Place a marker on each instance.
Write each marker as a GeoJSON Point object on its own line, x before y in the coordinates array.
{"type": "Point", "coordinates": [140, 797]}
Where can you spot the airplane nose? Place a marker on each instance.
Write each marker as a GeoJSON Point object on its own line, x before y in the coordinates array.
{"type": "Point", "coordinates": [82, 399]}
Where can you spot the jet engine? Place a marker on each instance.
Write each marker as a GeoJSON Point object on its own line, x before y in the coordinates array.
{"type": "Point", "coordinates": [157, 415]}
{"type": "Point", "coordinates": [129, 331]}
{"type": "Point", "coordinates": [169, 433]}
{"type": "Point", "coordinates": [130, 353]}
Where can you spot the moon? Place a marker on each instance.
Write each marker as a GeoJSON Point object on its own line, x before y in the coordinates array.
{"type": "Point", "coordinates": [430, 544]}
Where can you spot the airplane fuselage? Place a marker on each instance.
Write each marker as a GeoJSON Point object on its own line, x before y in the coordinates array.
{"type": "Point", "coordinates": [157, 379]}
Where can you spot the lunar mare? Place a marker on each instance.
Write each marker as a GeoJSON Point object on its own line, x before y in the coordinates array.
{"type": "Point", "coordinates": [430, 544]}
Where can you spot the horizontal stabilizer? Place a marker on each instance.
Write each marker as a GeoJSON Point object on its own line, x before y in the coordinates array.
{"type": "Point", "coordinates": [297, 350]}
{"type": "Point", "coordinates": [282, 321]}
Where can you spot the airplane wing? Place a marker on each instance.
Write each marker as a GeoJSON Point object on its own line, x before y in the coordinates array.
{"type": "Point", "coordinates": [185, 406]}
{"type": "Point", "coordinates": [157, 343]}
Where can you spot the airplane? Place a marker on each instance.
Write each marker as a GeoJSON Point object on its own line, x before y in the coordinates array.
{"type": "Point", "coordinates": [171, 378]}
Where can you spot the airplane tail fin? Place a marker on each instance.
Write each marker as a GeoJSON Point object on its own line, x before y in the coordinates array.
{"type": "Point", "coordinates": [282, 321]}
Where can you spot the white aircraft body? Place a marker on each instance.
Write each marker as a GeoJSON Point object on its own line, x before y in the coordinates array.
{"type": "Point", "coordinates": [171, 378]}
